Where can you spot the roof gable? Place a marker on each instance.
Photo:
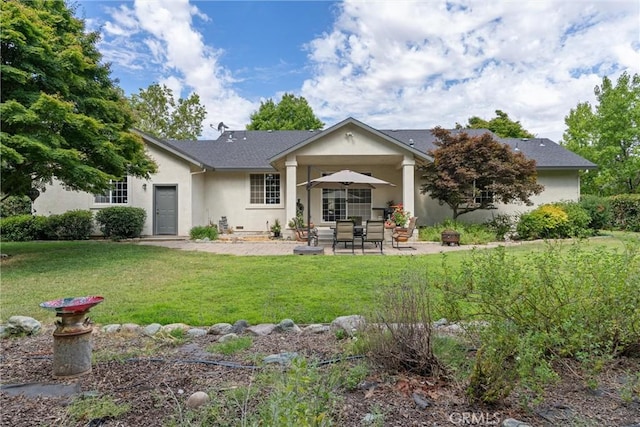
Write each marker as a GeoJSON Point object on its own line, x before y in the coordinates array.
{"type": "Point", "coordinates": [348, 124]}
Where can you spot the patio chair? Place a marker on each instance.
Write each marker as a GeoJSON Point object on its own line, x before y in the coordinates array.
{"type": "Point", "coordinates": [344, 234]}
{"type": "Point", "coordinates": [374, 232]}
{"type": "Point", "coordinates": [303, 236]}
{"type": "Point", "coordinates": [402, 236]}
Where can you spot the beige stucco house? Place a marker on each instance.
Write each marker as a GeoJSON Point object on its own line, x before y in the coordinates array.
{"type": "Point", "coordinates": [252, 177]}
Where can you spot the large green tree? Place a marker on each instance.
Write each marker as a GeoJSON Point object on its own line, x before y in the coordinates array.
{"type": "Point", "coordinates": [290, 113]}
{"type": "Point", "coordinates": [475, 172]}
{"type": "Point", "coordinates": [501, 125]}
{"type": "Point", "coordinates": [609, 136]}
{"type": "Point", "coordinates": [157, 112]}
{"type": "Point", "coordinates": [62, 116]}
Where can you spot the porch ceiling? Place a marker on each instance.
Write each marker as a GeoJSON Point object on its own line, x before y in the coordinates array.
{"type": "Point", "coordinates": [394, 160]}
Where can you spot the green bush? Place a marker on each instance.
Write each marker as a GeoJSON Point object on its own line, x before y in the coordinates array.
{"type": "Point", "coordinates": [204, 231]}
{"type": "Point", "coordinates": [578, 220]}
{"type": "Point", "coordinates": [561, 302]}
{"type": "Point", "coordinates": [121, 222]}
{"type": "Point", "coordinates": [626, 211]}
{"type": "Point", "coordinates": [501, 225]}
{"type": "Point", "coordinates": [15, 205]}
{"type": "Point", "coordinates": [71, 225]}
{"type": "Point", "coordinates": [23, 228]}
{"type": "Point", "coordinates": [545, 222]}
{"type": "Point", "coordinates": [599, 209]}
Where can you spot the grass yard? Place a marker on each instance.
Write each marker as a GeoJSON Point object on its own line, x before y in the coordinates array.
{"type": "Point", "coordinates": [144, 284]}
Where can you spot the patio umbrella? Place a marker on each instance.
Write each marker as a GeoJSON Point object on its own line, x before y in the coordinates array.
{"type": "Point", "coordinates": [340, 180]}
{"type": "Point", "coordinates": [346, 179]}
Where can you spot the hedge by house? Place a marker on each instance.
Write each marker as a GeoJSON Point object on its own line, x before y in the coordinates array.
{"type": "Point", "coordinates": [71, 225]}
{"type": "Point", "coordinates": [626, 211]}
{"type": "Point", "coordinates": [599, 209]}
{"type": "Point", "coordinates": [121, 222]}
{"type": "Point", "coordinates": [554, 221]}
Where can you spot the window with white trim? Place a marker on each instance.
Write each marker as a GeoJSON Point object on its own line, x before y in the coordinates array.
{"type": "Point", "coordinates": [481, 195]}
{"type": "Point", "coordinates": [346, 203]}
{"type": "Point", "coordinates": [264, 188]}
{"type": "Point", "coordinates": [117, 195]}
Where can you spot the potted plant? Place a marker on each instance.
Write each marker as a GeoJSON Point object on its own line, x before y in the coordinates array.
{"type": "Point", "coordinates": [276, 228]}
{"type": "Point", "coordinates": [400, 217]}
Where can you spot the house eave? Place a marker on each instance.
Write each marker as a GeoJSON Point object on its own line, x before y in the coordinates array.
{"type": "Point", "coordinates": [548, 168]}
{"type": "Point", "coordinates": [176, 152]}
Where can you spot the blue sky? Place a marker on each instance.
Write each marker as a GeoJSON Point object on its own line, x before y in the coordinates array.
{"type": "Point", "coordinates": [391, 64]}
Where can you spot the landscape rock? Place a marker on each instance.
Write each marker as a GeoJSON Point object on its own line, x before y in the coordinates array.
{"type": "Point", "coordinates": [349, 324]}
{"type": "Point", "coordinates": [440, 322]}
{"type": "Point", "coordinates": [220, 329]}
{"type": "Point", "coordinates": [282, 358]}
{"type": "Point", "coordinates": [287, 325]}
{"type": "Point", "coordinates": [196, 332]}
{"type": "Point", "coordinates": [131, 328]}
{"type": "Point", "coordinates": [239, 327]}
{"type": "Point", "coordinates": [4, 331]}
{"type": "Point", "coordinates": [197, 399]}
{"type": "Point", "coordinates": [421, 402]}
{"type": "Point", "coordinates": [173, 326]}
{"type": "Point", "coordinates": [111, 329]}
{"type": "Point", "coordinates": [228, 337]}
{"type": "Point", "coordinates": [316, 328]}
{"type": "Point", "coordinates": [511, 422]}
{"type": "Point", "coordinates": [371, 418]}
{"type": "Point", "coordinates": [18, 325]}
{"type": "Point", "coordinates": [262, 329]}
{"type": "Point", "coordinates": [152, 329]}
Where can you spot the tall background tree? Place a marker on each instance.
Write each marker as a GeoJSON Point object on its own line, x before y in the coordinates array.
{"type": "Point", "coordinates": [291, 113]}
{"type": "Point", "coordinates": [501, 125]}
{"type": "Point", "coordinates": [471, 173]}
{"type": "Point", "coordinates": [61, 114]}
{"type": "Point", "coordinates": [609, 136]}
{"type": "Point", "coordinates": [158, 113]}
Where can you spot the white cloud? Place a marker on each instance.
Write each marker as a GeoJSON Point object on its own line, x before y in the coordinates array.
{"type": "Point", "coordinates": [403, 63]}
{"type": "Point", "coordinates": [159, 36]}
{"type": "Point", "coordinates": [420, 64]}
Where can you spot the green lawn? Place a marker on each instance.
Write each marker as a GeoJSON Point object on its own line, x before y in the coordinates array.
{"type": "Point", "coordinates": [144, 284]}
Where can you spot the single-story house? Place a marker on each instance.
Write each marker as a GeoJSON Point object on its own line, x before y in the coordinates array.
{"type": "Point", "coordinates": [252, 178]}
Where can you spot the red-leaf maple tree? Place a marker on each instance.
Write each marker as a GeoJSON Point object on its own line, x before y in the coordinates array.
{"type": "Point", "coordinates": [469, 173]}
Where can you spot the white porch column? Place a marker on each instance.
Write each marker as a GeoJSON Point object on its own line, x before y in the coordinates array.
{"type": "Point", "coordinates": [290, 195]}
{"type": "Point", "coordinates": [408, 184]}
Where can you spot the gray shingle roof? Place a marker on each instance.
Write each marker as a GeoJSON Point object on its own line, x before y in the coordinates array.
{"type": "Point", "coordinates": [238, 150]}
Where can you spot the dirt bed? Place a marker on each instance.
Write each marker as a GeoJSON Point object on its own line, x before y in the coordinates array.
{"type": "Point", "coordinates": [155, 377]}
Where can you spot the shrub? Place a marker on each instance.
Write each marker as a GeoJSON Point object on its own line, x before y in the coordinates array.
{"type": "Point", "coordinates": [15, 205]}
{"type": "Point", "coordinates": [501, 225]}
{"type": "Point", "coordinates": [121, 222]}
{"type": "Point", "coordinates": [578, 220]}
{"type": "Point", "coordinates": [626, 211]}
{"type": "Point", "coordinates": [23, 228]}
{"type": "Point", "coordinates": [545, 222]}
{"type": "Point", "coordinates": [399, 337]}
{"type": "Point", "coordinates": [562, 302]}
{"type": "Point", "coordinates": [71, 225]}
{"type": "Point", "coordinates": [599, 209]}
{"type": "Point", "coordinates": [204, 231]}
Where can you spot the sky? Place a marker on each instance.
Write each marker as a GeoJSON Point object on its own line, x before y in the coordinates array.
{"type": "Point", "coordinates": [390, 64]}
